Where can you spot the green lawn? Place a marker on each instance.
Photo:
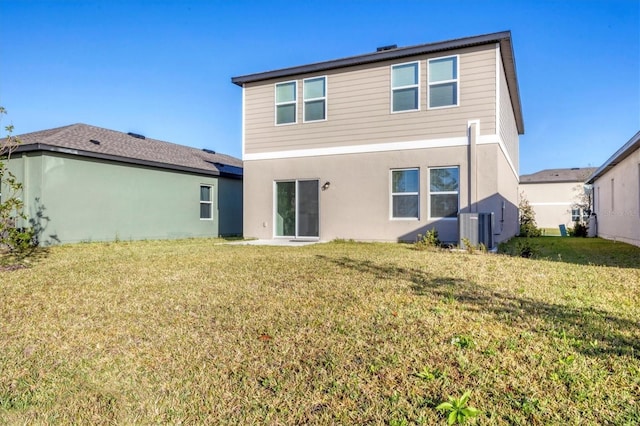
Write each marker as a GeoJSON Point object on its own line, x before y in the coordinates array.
{"type": "Point", "coordinates": [193, 332]}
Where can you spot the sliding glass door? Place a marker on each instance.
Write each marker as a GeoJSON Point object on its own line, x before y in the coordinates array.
{"type": "Point", "coordinates": [297, 209]}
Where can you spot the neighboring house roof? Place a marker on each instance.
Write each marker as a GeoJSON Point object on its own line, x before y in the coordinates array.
{"type": "Point", "coordinates": [575, 174]}
{"type": "Point", "coordinates": [627, 149]}
{"type": "Point", "coordinates": [503, 38]}
{"type": "Point", "coordinates": [96, 142]}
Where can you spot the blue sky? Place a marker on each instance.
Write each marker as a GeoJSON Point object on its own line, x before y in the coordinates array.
{"type": "Point", "coordinates": [163, 68]}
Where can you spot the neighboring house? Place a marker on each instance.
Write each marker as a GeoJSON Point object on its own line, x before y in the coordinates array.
{"type": "Point", "coordinates": [616, 199]}
{"type": "Point", "coordinates": [385, 145]}
{"type": "Point", "coordinates": [556, 195]}
{"type": "Point", "coordinates": [85, 183]}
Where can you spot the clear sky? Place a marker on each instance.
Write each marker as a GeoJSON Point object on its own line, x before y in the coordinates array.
{"type": "Point", "coordinates": [163, 68]}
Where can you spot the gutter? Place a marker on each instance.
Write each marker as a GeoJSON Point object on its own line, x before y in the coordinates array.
{"type": "Point", "coordinates": [627, 149]}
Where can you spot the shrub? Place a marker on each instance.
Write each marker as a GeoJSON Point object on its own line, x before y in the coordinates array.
{"type": "Point", "coordinates": [429, 240]}
{"type": "Point", "coordinates": [579, 230]}
{"type": "Point", "coordinates": [528, 226]}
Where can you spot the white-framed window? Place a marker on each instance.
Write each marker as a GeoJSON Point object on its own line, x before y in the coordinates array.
{"type": "Point", "coordinates": [443, 82]}
{"type": "Point", "coordinates": [206, 202]}
{"type": "Point", "coordinates": [576, 215]}
{"type": "Point", "coordinates": [444, 192]}
{"type": "Point", "coordinates": [405, 193]}
{"type": "Point", "coordinates": [314, 94]}
{"type": "Point", "coordinates": [286, 102]}
{"type": "Point", "coordinates": [405, 87]}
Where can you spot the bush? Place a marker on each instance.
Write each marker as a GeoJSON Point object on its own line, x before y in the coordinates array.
{"type": "Point", "coordinates": [525, 248]}
{"type": "Point", "coordinates": [528, 226]}
{"type": "Point", "coordinates": [579, 230]}
{"type": "Point", "coordinates": [429, 240]}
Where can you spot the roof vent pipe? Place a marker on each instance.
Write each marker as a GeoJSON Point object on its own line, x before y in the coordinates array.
{"type": "Point", "coordinates": [136, 135]}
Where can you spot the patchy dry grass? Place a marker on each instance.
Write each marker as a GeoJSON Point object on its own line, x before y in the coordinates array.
{"type": "Point", "coordinates": [341, 333]}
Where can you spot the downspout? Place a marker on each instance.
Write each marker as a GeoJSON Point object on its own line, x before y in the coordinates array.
{"type": "Point", "coordinates": [473, 129]}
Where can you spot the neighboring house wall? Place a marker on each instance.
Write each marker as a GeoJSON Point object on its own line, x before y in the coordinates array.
{"type": "Point", "coordinates": [552, 202]}
{"type": "Point", "coordinates": [99, 200]}
{"type": "Point", "coordinates": [617, 201]}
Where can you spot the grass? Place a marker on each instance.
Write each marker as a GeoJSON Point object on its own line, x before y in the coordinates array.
{"type": "Point", "coordinates": [195, 332]}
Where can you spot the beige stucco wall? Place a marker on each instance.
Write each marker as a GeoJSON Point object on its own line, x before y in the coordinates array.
{"type": "Point", "coordinates": [357, 203]}
{"type": "Point", "coordinates": [617, 203]}
{"type": "Point", "coordinates": [552, 202]}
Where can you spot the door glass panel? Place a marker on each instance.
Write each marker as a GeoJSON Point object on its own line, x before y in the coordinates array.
{"type": "Point", "coordinates": [285, 209]}
{"type": "Point", "coordinates": [308, 213]}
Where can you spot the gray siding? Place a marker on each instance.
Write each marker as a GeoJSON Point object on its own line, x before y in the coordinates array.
{"type": "Point", "coordinates": [359, 110]}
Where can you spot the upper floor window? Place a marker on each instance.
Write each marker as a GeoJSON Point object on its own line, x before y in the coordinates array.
{"type": "Point", "coordinates": [443, 82]}
{"type": "Point", "coordinates": [405, 193]}
{"type": "Point", "coordinates": [404, 87]}
{"type": "Point", "coordinates": [315, 99]}
{"type": "Point", "coordinates": [286, 102]}
{"type": "Point", "coordinates": [444, 191]}
{"type": "Point", "coordinates": [206, 202]}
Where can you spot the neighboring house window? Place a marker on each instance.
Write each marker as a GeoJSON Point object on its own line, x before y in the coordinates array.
{"type": "Point", "coordinates": [286, 103]}
{"type": "Point", "coordinates": [404, 87]}
{"type": "Point", "coordinates": [206, 202]}
{"type": "Point", "coordinates": [405, 193]}
{"type": "Point", "coordinates": [315, 99]}
{"type": "Point", "coordinates": [576, 215]}
{"type": "Point", "coordinates": [443, 82]}
{"type": "Point", "coordinates": [444, 191]}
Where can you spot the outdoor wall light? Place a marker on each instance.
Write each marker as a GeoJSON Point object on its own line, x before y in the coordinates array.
{"type": "Point", "coordinates": [326, 185]}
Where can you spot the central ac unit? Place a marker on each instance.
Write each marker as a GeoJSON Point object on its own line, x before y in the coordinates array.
{"type": "Point", "coordinates": [477, 228]}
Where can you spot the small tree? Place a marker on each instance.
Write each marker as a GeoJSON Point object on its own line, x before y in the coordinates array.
{"type": "Point", "coordinates": [528, 226]}
{"type": "Point", "coordinates": [12, 236]}
{"type": "Point", "coordinates": [583, 199]}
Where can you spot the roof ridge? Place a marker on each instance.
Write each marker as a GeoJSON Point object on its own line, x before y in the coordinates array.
{"type": "Point", "coordinates": [48, 133]}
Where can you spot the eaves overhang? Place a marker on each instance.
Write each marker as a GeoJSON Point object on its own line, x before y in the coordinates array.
{"type": "Point", "coordinates": [503, 38]}
{"type": "Point", "coordinates": [34, 147]}
{"type": "Point", "coordinates": [627, 149]}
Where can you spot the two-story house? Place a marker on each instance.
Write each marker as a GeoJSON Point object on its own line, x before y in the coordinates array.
{"type": "Point", "coordinates": [385, 145]}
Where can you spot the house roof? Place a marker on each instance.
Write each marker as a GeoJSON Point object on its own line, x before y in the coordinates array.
{"type": "Point", "coordinates": [96, 142]}
{"type": "Point", "coordinates": [503, 38]}
{"type": "Point", "coordinates": [627, 149]}
{"type": "Point", "coordinates": [575, 174]}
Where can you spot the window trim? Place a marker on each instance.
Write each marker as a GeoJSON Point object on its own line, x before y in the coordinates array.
{"type": "Point", "coordinates": [429, 193]}
{"type": "Point", "coordinates": [305, 100]}
{"type": "Point", "coordinates": [392, 194]}
{"type": "Point", "coordinates": [456, 81]}
{"type": "Point", "coordinates": [393, 89]}
{"type": "Point", "coordinates": [294, 102]}
{"type": "Point", "coordinates": [579, 215]}
{"type": "Point", "coordinates": [210, 202]}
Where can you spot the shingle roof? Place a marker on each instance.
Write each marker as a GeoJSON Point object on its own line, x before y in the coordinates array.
{"type": "Point", "coordinates": [575, 174]}
{"type": "Point", "coordinates": [96, 142]}
{"type": "Point", "coordinates": [503, 38]}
